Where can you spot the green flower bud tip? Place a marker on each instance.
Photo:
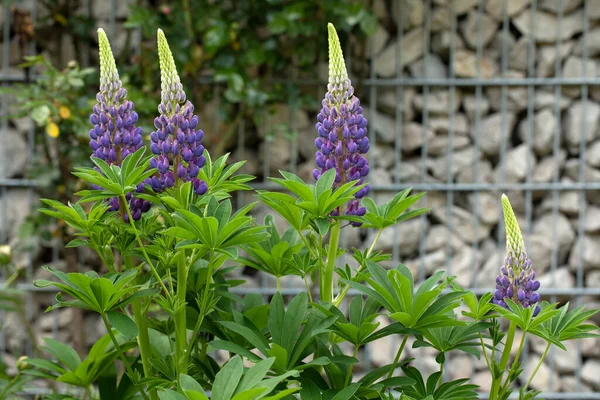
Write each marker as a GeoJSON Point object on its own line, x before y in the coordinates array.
{"type": "Point", "coordinates": [108, 67]}
{"type": "Point", "coordinates": [514, 239]}
{"type": "Point", "coordinates": [337, 67]}
{"type": "Point", "coordinates": [170, 84]}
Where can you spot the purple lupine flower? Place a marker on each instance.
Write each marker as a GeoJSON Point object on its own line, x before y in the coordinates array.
{"type": "Point", "coordinates": [342, 129]}
{"type": "Point", "coordinates": [114, 135]}
{"type": "Point", "coordinates": [177, 141]}
{"type": "Point", "coordinates": [517, 277]}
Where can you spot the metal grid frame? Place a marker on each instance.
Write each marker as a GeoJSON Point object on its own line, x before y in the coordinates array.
{"type": "Point", "coordinates": [450, 188]}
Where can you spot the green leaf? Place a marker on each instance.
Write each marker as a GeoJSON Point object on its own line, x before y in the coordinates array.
{"type": "Point", "coordinates": [123, 324]}
{"type": "Point", "coordinates": [65, 354]}
{"type": "Point", "coordinates": [226, 381]}
{"type": "Point", "coordinates": [168, 394]}
{"type": "Point", "coordinates": [254, 375]}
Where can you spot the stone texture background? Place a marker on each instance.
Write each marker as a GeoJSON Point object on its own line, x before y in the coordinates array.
{"type": "Point", "coordinates": [467, 135]}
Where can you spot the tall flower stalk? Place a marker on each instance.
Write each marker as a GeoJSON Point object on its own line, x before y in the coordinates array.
{"type": "Point", "coordinates": [177, 141]}
{"type": "Point", "coordinates": [341, 144]}
{"type": "Point", "coordinates": [114, 135]}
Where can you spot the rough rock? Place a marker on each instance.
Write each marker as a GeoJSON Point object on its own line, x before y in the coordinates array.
{"type": "Point", "coordinates": [437, 102]}
{"type": "Point", "coordinates": [388, 102]}
{"type": "Point", "coordinates": [546, 57]}
{"type": "Point", "coordinates": [13, 152]}
{"type": "Point", "coordinates": [443, 124]}
{"type": "Point", "coordinates": [460, 159]}
{"type": "Point", "coordinates": [430, 67]}
{"type": "Point", "coordinates": [592, 220]}
{"type": "Point", "coordinates": [591, 255]}
{"type": "Point", "coordinates": [493, 130]}
{"type": "Point", "coordinates": [18, 204]}
{"type": "Point", "coordinates": [515, 165]}
{"type": "Point", "coordinates": [478, 29]}
{"type": "Point", "coordinates": [581, 116]}
{"type": "Point", "coordinates": [467, 65]}
{"type": "Point", "coordinates": [565, 235]}
{"type": "Point", "coordinates": [545, 25]}
{"type": "Point", "coordinates": [411, 49]}
{"type": "Point", "coordinates": [543, 129]}
{"type": "Point", "coordinates": [414, 135]}
{"type": "Point", "coordinates": [495, 8]}
{"type": "Point", "coordinates": [377, 42]}
{"type": "Point", "coordinates": [545, 379]}
{"type": "Point", "coordinates": [473, 105]}
{"type": "Point", "coordinates": [558, 6]}
{"type": "Point", "coordinates": [463, 223]}
{"type": "Point", "coordinates": [484, 173]}
{"type": "Point", "coordinates": [590, 373]}
{"type": "Point", "coordinates": [406, 236]}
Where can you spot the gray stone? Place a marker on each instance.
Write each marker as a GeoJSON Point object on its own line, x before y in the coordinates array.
{"type": "Point", "coordinates": [466, 65]}
{"type": "Point", "coordinates": [570, 384]}
{"type": "Point", "coordinates": [486, 205]}
{"type": "Point", "coordinates": [546, 57]}
{"type": "Point", "coordinates": [592, 219]}
{"type": "Point", "coordinates": [463, 223]}
{"type": "Point", "coordinates": [516, 97]}
{"type": "Point", "coordinates": [572, 171]}
{"type": "Point", "coordinates": [414, 136]}
{"type": "Point", "coordinates": [593, 43]}
{"type": "Point", "coordinates": [18, 204]}
{"type": "Point", "coordinates": [13, 152]}
{"type": "Point", "coordinates": [431, 67]}
{"type": "Point", "coordinates": [581, 116]}
{"type": "Point", "coordinates": [544, 126]}
{"type": "Point", "coordinates": [443, 124]}
{"type": "Point", "coordinates": [464, 261]}
{"type": "Point", "coordinates": [382, 124]}
{"type": "Point", "coordinates": [382, 351]}
{"type": "Point", "coordinates": [568, 203]}
{"type": "Point", "coordinates": [381, 156]}
{"type": "Point", "coordinates": [94, 329]}
{"type": "Point", "coordinates": [440, 19]}
{"type": "Point", "coordinates": [473, 105]}
{"type": "Point", "coordinates": [574, 68]}
{"type": "Point", "coordinates": [590, 373]}
{"type": "Point", "coordinates": [46, 321]}
{"type": "Point", "coordinates": [439, 144]}
{"type": "Point", "coordinates": [478, 29]}
{"type": "Point", "coordinates": [565, 235]}
{"type": "Point", "coordinates": [518, 56]}
{"type": "Point", "coordinates": [493, 130]}
{"type": "Point", "coordinates": [411, 49]}
{"type": "Point", "coordinates": [431, 261]}
{"type": "Point", "coordinates": [545, 25]}
{"type": "Point", "coordinates": [491, 268]}
{"type": "Point", "coordinates": [546, 99]}
{"type": "Point", "coordinates": [495, 8]}
{"type": "Point", "coordinates": [591, 255]}
{"type": "Point", "coordinates": [437, 239]}
{"type": "Point", "coordinates": [544, 170]}
{"type": "Point", "coordinates": [483, 380]}
{"type": "Point", "coordinates": [557, 6]}
{"type": "Point", "coordinates": [412, 12]}
{"type": "Point", "coordinates": [377, 42]}
{"type": "Point", "coordinates": [592, 154]}
{"type": "Point", "coordinates": [442, 42]}
{"type": "Point", "coordinates": [592, 279]}
{"type": "Point", "coordinates": [388, 101]}
{"type": "Point", "coordinates": [405, 235]}
{"type": "Point", "coordinates": [380, 177]}
{"type": "Point", "coordinates": [278, 151]}
{"type": "Point", "coordinates": [590, 346]}
{"type": "Point", "coordinates": [463, 6]}
{"type": "Point", "coordinates": [437, 102]}
{"type": "Point", "coordinates": [460, 159]}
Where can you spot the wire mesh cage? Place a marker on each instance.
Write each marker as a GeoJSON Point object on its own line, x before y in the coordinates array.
{"type": "Point", "coordinates": [466, 99]}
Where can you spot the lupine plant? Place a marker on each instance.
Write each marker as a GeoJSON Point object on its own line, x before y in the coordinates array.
{"type": "Point", "coordinates": [161, 219]}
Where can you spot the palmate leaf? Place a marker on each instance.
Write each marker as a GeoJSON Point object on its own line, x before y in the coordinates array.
{"type": "Point", "coordinates": [444, 339]}
{"type": "Point", "coordinates": [426, 307]}
{"type": "Point", "coordinates": [455, 390]}
{"type": "Point", "coordinates": [566, 325]}
{"type": "Point", "coordinates": [219, 176]}
{"type": "Point", "coordinates": [393, 212]}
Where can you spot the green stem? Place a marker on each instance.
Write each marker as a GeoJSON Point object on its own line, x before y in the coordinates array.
{"type": "Point", "coordinates": [344, 292]}
{"type": "Point", "coordinates": [143, 249]}
{"type": "Point", "coordinates": [350, 367]}
{"type": "Point", "coordinates": [487, 360]}
{"type": "Point", "coordinates": [441, 380]}
{"type": "Point", "coordinates": [327, 284]}
{"type": "Point", "coordinates": [12, 278]}
{"type": "Point", "coordinates": [121, 355]}
{"type": "Point", "coordinates": [310, 299]}
{"type": "Point", "coordinates": [278, 280]}
{"type": "Point", "coordinates": [515, 362]}
{"type": "Point", "coordinates": [180, 319]}
{"type": "Point", "coordinates": [537, 367]}
{"type": "Point", "coordinates": [397, 358]}
{"type": "Point", "coordinates": [510, 337]}
{"type": "Point", "coordinates": [204, 305]}
{"type": "Point", "coordinates": [143, 341]}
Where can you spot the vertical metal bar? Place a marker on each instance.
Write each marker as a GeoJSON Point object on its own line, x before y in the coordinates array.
{"type": "Point", "coordinates": [529, 138]}
{"type": "Point", "coordinates": [399, 115]}
{"type": "Point", "coordinates": [582, 150]}
{"type": "Point", "coordinates": [556, 156]}
{"type": "Point", "coordinates": [424, 148]}
{"type": "Point", "coordinates": [3, 167]}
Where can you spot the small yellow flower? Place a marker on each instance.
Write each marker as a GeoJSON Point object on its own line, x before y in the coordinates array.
{"type": "Point", "coordinates": [64, 112]}
{"type": "Point", "coordinates": [52, 130]}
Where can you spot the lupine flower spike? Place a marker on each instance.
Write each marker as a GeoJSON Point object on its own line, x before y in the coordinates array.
{"type": "Point", "coordinates": [517, 278]}
{"type": "Point", "coordinates": [114, 135]}
{"type": "Point", "coordinates": [342, 129]}
{"type": "Point", "coordinates": [176, 143]}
